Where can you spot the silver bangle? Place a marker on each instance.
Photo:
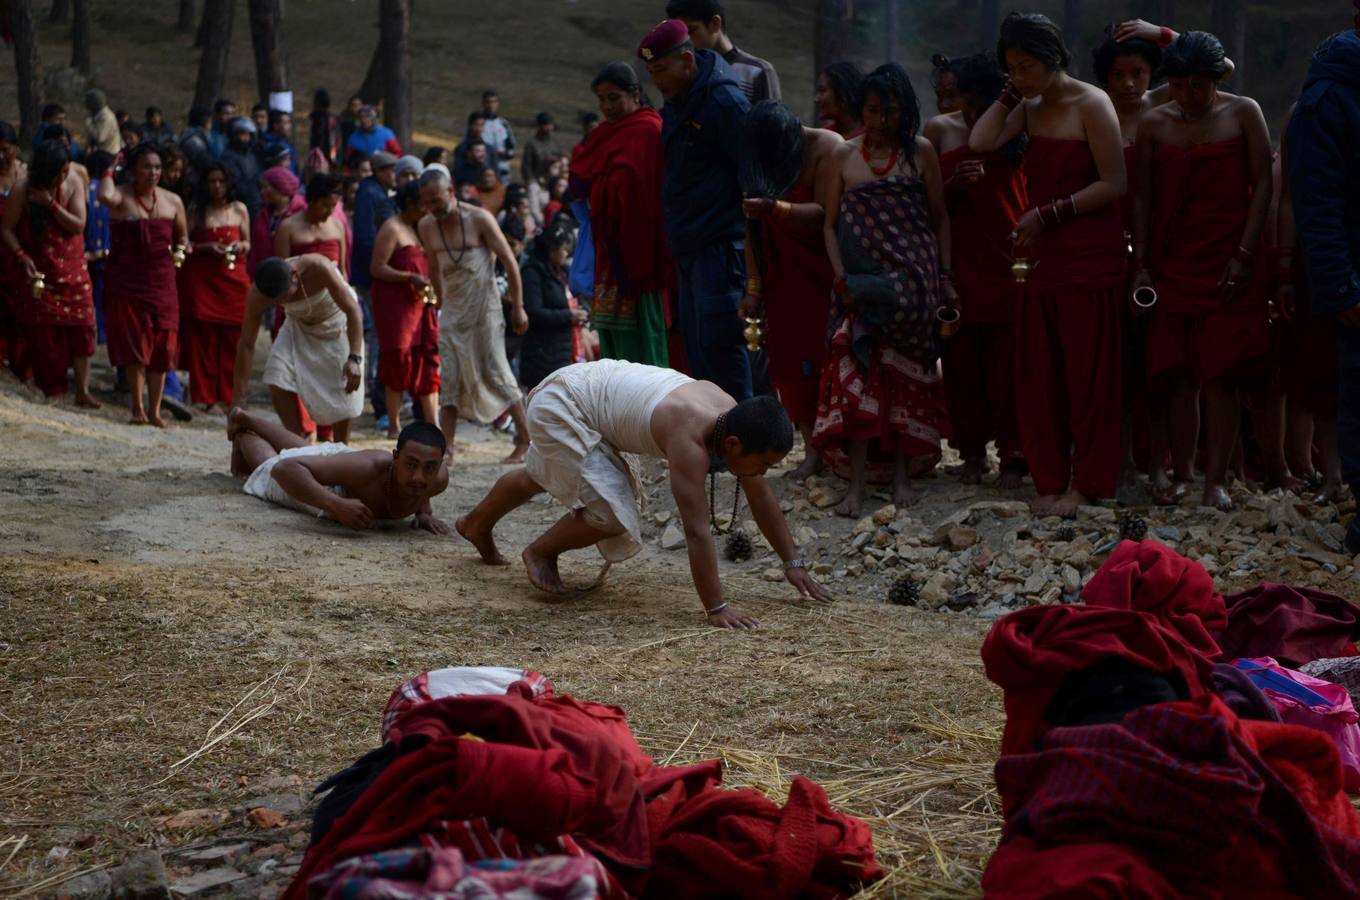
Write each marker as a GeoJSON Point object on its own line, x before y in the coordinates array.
{"type": "Point", "coordinates": [794, 564]}
{"type": "Point", "coordinates": [715, 610]}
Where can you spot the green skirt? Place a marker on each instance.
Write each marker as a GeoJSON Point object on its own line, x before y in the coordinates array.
{"type": "Point", "coordinates": [644, 344]}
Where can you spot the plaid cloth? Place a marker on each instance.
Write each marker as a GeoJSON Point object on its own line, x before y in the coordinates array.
{"type": "Point", "coordinates": [1213, 804]}
{"type": "Point", "coordinates": [425, 873]}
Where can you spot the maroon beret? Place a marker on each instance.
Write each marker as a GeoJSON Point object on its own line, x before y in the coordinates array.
{"type": "Point", "coordinates": [663, 39]}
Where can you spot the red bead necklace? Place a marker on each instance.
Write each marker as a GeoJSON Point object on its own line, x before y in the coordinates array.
{"type": "Point", "coordinates": [892, 160]}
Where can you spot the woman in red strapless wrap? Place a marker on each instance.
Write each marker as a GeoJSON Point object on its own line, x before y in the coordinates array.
{"type": "Point", "coordinates": [407, 326]}
{"type": "Point", "coordinates": [986, 196]}
{"type": "Point", "coordinates": [789, 281]}
{"type": "Point", "coordinates": [213, 284]}
{"type": "Point", "coordinates": [1204, 167]}
{"type": "Point", "coordinates": [1072, 240]}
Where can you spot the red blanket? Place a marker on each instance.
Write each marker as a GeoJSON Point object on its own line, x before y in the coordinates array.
{"type": "Point", "coordinates": [1294, 625]}
{"type": "Point", "coordinates": [1179, 794]}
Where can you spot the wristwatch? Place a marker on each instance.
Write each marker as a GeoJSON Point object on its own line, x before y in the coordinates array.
{"type": "Point", "coordinates": [356, 358]}
{"type": "Point", "coordinates": [794, 564]}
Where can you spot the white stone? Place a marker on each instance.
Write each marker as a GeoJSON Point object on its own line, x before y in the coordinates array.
{"type": "Point", "coordinates": [673, 538]}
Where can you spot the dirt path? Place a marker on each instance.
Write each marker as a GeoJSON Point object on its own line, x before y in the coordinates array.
{"type": "Point", "coordinates": [142, 596]}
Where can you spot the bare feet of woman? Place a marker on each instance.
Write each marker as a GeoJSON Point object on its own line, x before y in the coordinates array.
{"type": "Point", "coordinates": [1067, 505]}
{"type": "Point", "coordinates": [903, 495]}
{"type": "Point", "coordinates": [139, 419]}
{"type": "Point", "coordinates": [851, 505]}
{"type": "Point", "coordinates": [970, 472]}
{"type": "Point", "coordinates": [1288, 482]}
{"type": "Point", "coordinates": [483, 540]}
{"type": "Point", "coordinates": [85, 401]}
{"type": "Point", "coordinates": [811, 465]}
{"type": "Point", "coordinates": [1216, 496]}
{"type": "Point", "coordinates": [1166, 492]}
{"type": "Point", "coordinates": [157, 421]}
{"type": "Point", "coordinates": [542, 571]}
{"type": "Point", "coordinates": [516, 456]}
{"type": "Point", "coordinates": [1330, 492]}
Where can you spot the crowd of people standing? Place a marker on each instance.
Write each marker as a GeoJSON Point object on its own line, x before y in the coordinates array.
{"type": "Point", "coordinates": [1100, 280]}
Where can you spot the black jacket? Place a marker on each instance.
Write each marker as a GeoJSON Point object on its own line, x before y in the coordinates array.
{"type": "Point", "coordinates": [547, 343]}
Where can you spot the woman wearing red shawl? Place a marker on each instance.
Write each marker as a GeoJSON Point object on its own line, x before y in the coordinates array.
{"type": "Point", "coordinates": [141, 296]}
{"type": "Point", "coordinates": [44, 228]}
{"type": "Point", "coordinates": [1072, 239]}
{"type": "Point", "coordinates": [279, 190]}
{"type": "Point", "coordinates": [619, 166]}
{"type": "Point", "coordinates": [212, 288]}
{"type": "Point", "coordinates": [986, 195]}
{"type": "Point", "coordinates": [887, 235]}
{"type": "Point", "coordinates": [785, 172]}
{"type": "Point", "coordinates": [407, 326]}
{"type": "Point", "coordinates": [1205, 176]}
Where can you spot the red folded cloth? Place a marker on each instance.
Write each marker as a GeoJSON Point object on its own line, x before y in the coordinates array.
{"type": "Point", "coordinates": [1294, 625]}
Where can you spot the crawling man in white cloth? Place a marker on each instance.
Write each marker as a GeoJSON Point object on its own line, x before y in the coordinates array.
{"type": "Point", "coordinates": [354, 487]}
{"type": "Point", "coordinates": [584, 417]}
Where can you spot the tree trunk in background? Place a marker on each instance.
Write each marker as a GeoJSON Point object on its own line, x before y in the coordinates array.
{"type": "Point", "coordinates": [1158, 12]}
{"type": "Point", "coordinates": [27, 68]}
{"type": "Point", "coordinates": [201, 34]}
{"type": "Point", "coordinates": [271, 59]}
{"type": "Point", "coordinates": [1074, 37]}
{"type": "Point", "coordinates": [989, 23]}
{"type": "Point", "coordinates": [61, 11]}
{"type": "Point", "coordinates": [890, 30]}
{"type": "Point", "coordinates": [80, 38]}
{"type": "Point", "coordinates": [832, 29]}
{"type": "Point", "coordinates": [212, 65]}
{"type": "Point", "coordinates": [1228, 20]}
{"type": "Point", "coordinates": [372, 88]}
{"type": "Point", "coordinates": [185, 23]}
{"type": "Point", "coordinates": [395, 43]}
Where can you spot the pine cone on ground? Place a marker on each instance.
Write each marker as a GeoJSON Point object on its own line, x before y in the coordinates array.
{"type": "Point", "coordinates": [1066, 534]}
{"type": "Point", "coordinates": [905, 591]}
{"type": "Point", "coordinates": [1132, 527]}
{"type": "Point", "coordinates": [738, 547]}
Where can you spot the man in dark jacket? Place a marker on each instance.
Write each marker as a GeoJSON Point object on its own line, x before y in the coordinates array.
{"type": "Point", "coordinates": [244, 165]}
{"type": "Point", "coordinates": [701, 139]}
{"type": "Point", "coordinates": [1324, 144]}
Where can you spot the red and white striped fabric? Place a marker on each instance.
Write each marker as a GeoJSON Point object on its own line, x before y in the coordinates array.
{"type": "Point", "coordinates": [461, 681]}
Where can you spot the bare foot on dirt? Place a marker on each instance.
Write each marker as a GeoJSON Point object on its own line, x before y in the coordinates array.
{"type": "Point", "coordinates": [904, 496]}
{"type": "Point", "coordinates": [811, 465]}
{"type": "Point", "coordinates": [1043, 507]}
{"type": "Point", "coordinates": [157, 421]}
{"type": "Point", "coordinates": [850, 505]}
{"type": "Point", "coordinates": [969, 472]}
{"type": "Point", "coordinates": [542, 571]}
{"type": "Point", "coordinates": [1287, 482]}
{"type": "Point", "coordinates": [139, 419]}
{"type": "Point", "coordinates": [85, 401]}
{"type": "Point", "coordinates": [1068, 503]}
{"type": "Point", "coordinates": [1217, 496]}
{"type": "Point", "coordinates": [1330, 492]}
{"type": "Point", "coordinates": [482, 540]}
{"type": "Point", "coordinates": [516, 456]}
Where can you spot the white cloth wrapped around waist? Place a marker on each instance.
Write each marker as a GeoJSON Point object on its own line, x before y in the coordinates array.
{"type": "Point", "coordinates": [308, 358]}
{"type": "Point", "coordinates": [573, 462]}
{"type": "Point", "coordinates": [261, 482]}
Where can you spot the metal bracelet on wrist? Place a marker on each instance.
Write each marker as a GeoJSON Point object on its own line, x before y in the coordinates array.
{"type": "Point", "coordinates": [355, 358]}
{"type": "Point", "coordinates": [794, 564]}
{"type": "Point", "coordinates": [717, 609]}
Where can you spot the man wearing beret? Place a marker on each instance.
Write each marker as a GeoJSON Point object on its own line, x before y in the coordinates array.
{"type": "Point", "coordinates": [701, 139]}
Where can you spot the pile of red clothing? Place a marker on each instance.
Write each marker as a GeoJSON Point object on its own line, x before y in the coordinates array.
{"type": "Point", "coordinates": [531, 775]}
{"type": "Point", "coordinates": [1124, 774]}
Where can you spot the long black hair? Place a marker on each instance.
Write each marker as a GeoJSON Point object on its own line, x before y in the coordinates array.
{"type": "Point", "coordinates": [979, 76]}
{"type": "Point", "coordinates": [890, 82]}
{"type": "Point", "coordinates": [558, 234]}
{"type": "Point", "coordinates": [845, 80]}
{"type": "Point", "coordinates": [771, 160]}
{"type": "Point", "coordinates": [8, 135]}
{"type": "Point", "coordinates": [1036, 35]}
{"type": "Point", "coordinates": [1195, 53]}
{"type": "Point", "coordinates": [49, 160]}
{"type": "Point", "coordinates": [407, 195]}
{"type": "Point", "coordinates": [202, 198]}
{"type": "Point", "coordinates": [1103, 57]}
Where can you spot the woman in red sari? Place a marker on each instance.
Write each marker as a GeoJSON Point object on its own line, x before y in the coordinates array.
{"type": "Point", "coordinates": [1072, 237]}
{"type": "Point", "coordinates": [887, 236]}
{"type": "Point", "coordinates": [407, 326]}
{"type": "Point", "coordinates": [213, 284]}
{"type": "Point", "coordinates": [619, 168]}
{"type": "Point", "coordinates": [1205, 173]}
{"type": "Point", "coordinates": [44, 230]}
{"type": "Point", "coordinates": [986, 196]}
{"type": "Point", "coordinates": [785, 172]}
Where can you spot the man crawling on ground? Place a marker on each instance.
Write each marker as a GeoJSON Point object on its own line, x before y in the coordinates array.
{"type": "Point", "coordinates": [356, 488]}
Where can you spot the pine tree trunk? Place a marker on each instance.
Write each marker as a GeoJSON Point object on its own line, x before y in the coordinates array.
{"type": "Point", "coordinates": [1228, 20]}
{"type": "Point", "coordinates": [80, 38]}
{"type": "Point", "coordinates": [989, 23]}
{"type": "Point", "coordinates": [266, 35]}
{"type": "Point", "coordinates": [833, 28]}
{"type": "Point", "coordinates": [396, 44]}
{"type": "Point", "coordinates": [61, 11]}
{"type": "Point", "coordinates": [890, 30]}
{"type": "Point", "coordinates": [1073, 36]}
{"type": "Point", "coordinates": [27, 68]}
{"type": "Point", "coordinates": [201, 34]}
{"type": "Point", "coordinates": [185, 23]}
{"type": "Point", "coordinates": [212, 65]}
{"type": "Point", "coordinates": [372, 88]}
